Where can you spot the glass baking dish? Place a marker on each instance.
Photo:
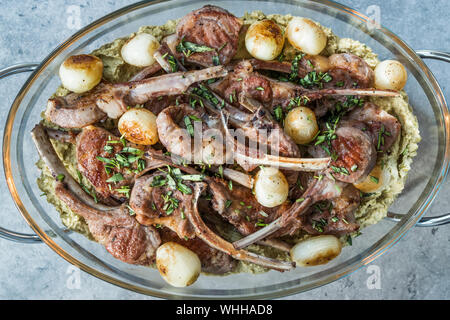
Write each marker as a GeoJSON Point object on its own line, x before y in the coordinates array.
{"type": "Point", "coordinates": [428, 171]}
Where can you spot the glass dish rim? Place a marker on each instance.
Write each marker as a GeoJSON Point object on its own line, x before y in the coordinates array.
{"type": "Point", "coordinates": [402, 229]}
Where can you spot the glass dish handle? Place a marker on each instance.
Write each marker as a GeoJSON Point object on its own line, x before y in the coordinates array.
{"type": "Point", "coordinates": [445, 218]}
{"type": "Point", "coordinates": [5, 233]}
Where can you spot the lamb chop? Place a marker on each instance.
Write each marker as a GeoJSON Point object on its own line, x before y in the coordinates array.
{"type": "Point", "coordinates": [161, 205]}
{"type": "Point", "coordinates": [113, 227]}
{"type": "Point", "coordinates": [244, 82]}
{"type": "Point", "coordinates": [208, 36]}
{"type": "Point", "coordinates": [104, 160]}
{"type": "Point", "coordinates": [382, 127]}
{"type": "Point", "coordinates": [335, 216]}
{"type": "Point", "coordinates": [112, 100]}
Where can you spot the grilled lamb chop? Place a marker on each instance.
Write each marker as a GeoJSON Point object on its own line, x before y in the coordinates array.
{"type": "Point", "coordinates": [334, 217]}
{"type": "Point", "coordinates": [382, 127]}
{"type": "Point", "coordinates": [120, 233]}
{"type": "Point", "coordinates": [77, 111]}
{"type": "Point", "coordinates": [212, 27]}
{"type": "Point", "coordinates": [161, 205]}
{"type": "Point", "coordinates": [244, 81]}
{"type": "Point", "coordinates": [97, 153]}
{"type": "Point", "coordinates": [355, 69]}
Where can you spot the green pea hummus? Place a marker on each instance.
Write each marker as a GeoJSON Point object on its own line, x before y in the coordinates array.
{"type": "Point", "coordinates": [373, 207]}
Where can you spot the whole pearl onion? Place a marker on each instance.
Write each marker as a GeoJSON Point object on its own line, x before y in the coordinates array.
{"type": "Point", "coordinates": [178, 266]}
{"type": "Point", "coordinates": [270, 187]}
{"type": "Point", "coordinates": [306, 36]}
{"type": "Point", "coordinates": [81, 73]}
{"type": "Point", "coordinates": [138, 125]}
{"type": "Point", "coordinates": [264, 40]}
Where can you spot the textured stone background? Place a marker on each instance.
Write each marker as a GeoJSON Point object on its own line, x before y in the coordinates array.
{"type": "Point", "coordinates": [415, 268]}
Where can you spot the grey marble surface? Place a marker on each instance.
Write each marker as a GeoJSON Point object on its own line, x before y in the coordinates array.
{"type": "Point", "coordinates": [415, 268]}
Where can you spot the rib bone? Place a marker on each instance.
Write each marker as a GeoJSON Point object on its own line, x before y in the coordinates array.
{"type": "Point", "coordinates": [213, 240]}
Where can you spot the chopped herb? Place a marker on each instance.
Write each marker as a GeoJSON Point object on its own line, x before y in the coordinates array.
{"type": "Point", "coordinates": [158, 181]}
{"type": "Point", "coordinates": [261, 224]}
{"type": "Point", "coordinates": [405, 151]}
{"type": "Point", "coordinates": [86, 189]}
{"type": "Point", "coordinates": [337, 188]}
{"type": "Point", "coordinates": [220, 171]}
{"type": "Point", "coordinates": [115, 178]}
{"type": "Point", "coordinates": [184, 188]}
{"type": "Point", "coordinates": [230, 185]}
{"type": "Point", "coordinates": [314, 78]}
{"type": "Point", "coordinates": [300, 200]}
{"type": "Point", "coordinates": [125, 190]}
{"type": "Point", "coordinates": [173, 63]}
{"type": "Point", "coordinates": [349, 240]}
{"type": "Point", "coordinates": [319, 225]}
{"type": "Point", "coordinates": [260, 88]}
{"type": "Point", "coordinates": [294, 67]}
{"type": "Point", "coordinates": [189, 47]}
{"type": "Point", "coordinates": [335, 219]}
{"type": "Point", "coordinates": [278, 113]}
{"type": "Point", "coordinates": [354, 168]}
{"type": "Point", "coordinates": [108, 148]}
{"type": "Point", "coordinates": [170, 203]}
{"type": "Point", "coordinates": [374, 179]}
{"type": "Point", "coordinates": [215, 60]}
{"type": "Point", "coordinates": [60, 177]}
{"type": "Point", "coordinates": [222, 46]}
{"type": "Point", "coordinates": [228, 203]}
